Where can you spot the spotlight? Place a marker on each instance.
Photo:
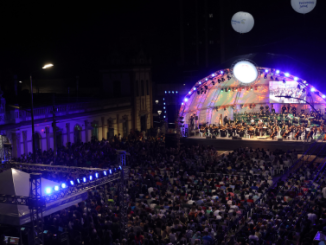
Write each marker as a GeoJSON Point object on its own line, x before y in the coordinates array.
{"type": "Point", "coordinates": [96, 175]}
{"type": "Point", "coordinates": [105, 173]}
{"type": "Point", "coordinates": [164, 116]}
{"type": "Point", "coordinates": [182, 103]}
{"type": "Point", "coordinates": [189, 92]}
{"type": "Point", "coordinates": [72, 182]}
{"type": "Point", "coordinates": [266, 70]}
{"type": "Point", "coordinates": [323, 96]}
{"type": "Point", "coordinates": [213, 75]}
{"type": "Point", "coordinates": [90, 177]}
{"type": "Point", "coordinates": [277, 71]}
{"type": "Point", "coordinates": [56, 188]}
{"type": "Point", "coordinates": [199, 82]}
{"type": "Point", "coordinates": [312, 89]}
{"type": "Point", "coordinates": [48, 190]}
{"type": "Point", "coordinates": [63, 185]}
{"type": "Point", "coordinates": [165, 91]}
{"type": "Point", "coordinates": [194, 89]}
{"type": "Point", "coordinates": [287, 74]}
{"type": "Point", "coordinates": [120, 167]}
{"type": "Point", "coordinates": [206, 79]}
{"type": "Point", "coordinates": [295, 79]}
{"type": "Point", "coordinates": [78, 181]}
{"type": "Point", "coordinates": [110, 171]}
{"type": "Point", "coordinates": [186, 99]}
{"type": "Point", "coordinates": [304, 81]}
{"type": "Point", "coordinates": [222, 72]}
{"type": "Point", "coordinates": [84, 179]}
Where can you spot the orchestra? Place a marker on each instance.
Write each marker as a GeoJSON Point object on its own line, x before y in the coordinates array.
{"type": "Point", "coordinates": [268, 124]}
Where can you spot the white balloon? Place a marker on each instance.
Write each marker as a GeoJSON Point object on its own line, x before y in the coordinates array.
{"type": "Point", "coordinates": [242, 22]}
{"type": "Point", "coordinates": [303, 6]}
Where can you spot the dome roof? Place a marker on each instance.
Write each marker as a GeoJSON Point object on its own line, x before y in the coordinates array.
{"type": "Point", "coordinates": [221, 92]}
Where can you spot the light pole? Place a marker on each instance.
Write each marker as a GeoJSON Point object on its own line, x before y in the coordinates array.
{"type": "Point", "coordinates": [32, 111]}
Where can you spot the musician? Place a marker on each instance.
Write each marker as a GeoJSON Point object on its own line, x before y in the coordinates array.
{"type": "Point", "coordinates": [273, 110]}
{"type": "Point", "coordinates": [261, 108]}
{"type": "Point", "coordinates": [294, 111]}
{"type": "Point", "coordinates": [226, 120]}
{"type": "Point", "coordinates": [298, 133]}
{"type": "Point", "coordinates": [311, 133]}
{"type": "Point", "coordinates": [267, 112]}
{"type": "Point", "coordinates": [283, 109]}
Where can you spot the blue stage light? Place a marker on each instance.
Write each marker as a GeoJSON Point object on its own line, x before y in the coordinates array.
{"type": "Point", "coordinates": [78, 181]}
{"type": "Point", "coordinates": [266, 70]}
{"type": "Point", "coordinates": [213, 75]}
{"type": "Point", "coordinates": [186, 99]}
{"type": "Point", "coordinates": [194, 88]}
{"type": "Point", "coordinates": [324, 96]}
{"type": "Point", "coordinates": [90, 177]}
{"type": "Point", "coordinates": [176, 92]}
{"type": "Point", "coordinates": [120, 167]}
{"type": "Point", "coordinates": [110, 171]}
{"type": "Point", "coordinates": [169, 92]}
{"type": "Point", "coordinates": [63, 185]}
{"type": "Point", "coordinates": [163, 116]}
{"type": "Point", "coordinates": [165, 91]}
{"type": "Point", "coordinates": [72, 182]}
{"type": "Point", "coordinates": [96, 175]}
{"type": "Point", "coordinates": [189, 92]}
{"type": "Point", "coordinates": [182, 103]}
{"type": "Point", "coordinates": [222, 72]}
{"type": "Point", "coordinates": [105, 173]}
{"type": "Point", "coordinates": [172, 92]}
{"type": "Point", "coordinates": [206, 79]}
{"type": "Point", "coordinates": [287, 74]}
{"type": "Point", "coordinates": [164, 103]}
{"type": "Point", "coordinates": [295, 79]}
{"type": "Point", "coordinates": [199, 82]}
{"type": "Point", "coordinates": [277, 71]}
{"type": "Point", "coordinates": [312, 89]}
{"type": "Point", "coordinates": [56, 188]}
{"type": "Point", "coordinates": [48, 190]}
{"type": "Point", "coordinates": [84, 179]}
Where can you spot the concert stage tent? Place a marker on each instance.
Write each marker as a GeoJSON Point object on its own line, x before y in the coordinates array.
{"type": "Point", "coordinates": [221, 93]}
{"type": "Point", "coordinates": [16, 183]}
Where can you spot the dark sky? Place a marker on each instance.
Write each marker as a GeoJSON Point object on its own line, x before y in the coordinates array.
{"type": "Point", "coordinates": [79, 37]}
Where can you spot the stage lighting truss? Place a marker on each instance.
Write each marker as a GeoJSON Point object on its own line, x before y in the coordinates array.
{"type": "Point", "coordinates": [64, 190]}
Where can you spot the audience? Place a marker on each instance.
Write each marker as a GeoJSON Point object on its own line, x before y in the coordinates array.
{"type": "Point", "coordinates": [191, 195]}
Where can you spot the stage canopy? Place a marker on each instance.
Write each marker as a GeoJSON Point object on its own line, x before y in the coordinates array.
{"type": "Point", "coordinates": [244, 86]}
{"type": "Point", "coordinates": [15, 182]}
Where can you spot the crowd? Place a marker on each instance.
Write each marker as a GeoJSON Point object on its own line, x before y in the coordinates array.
{"type": "Point", "coordinates": [192, 195]}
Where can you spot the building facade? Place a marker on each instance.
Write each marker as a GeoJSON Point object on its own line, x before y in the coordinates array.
{"type": "Point", "coordinates": [125, 104]}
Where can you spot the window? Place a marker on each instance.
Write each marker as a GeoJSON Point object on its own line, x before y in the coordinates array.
{"type": "Point", "coordinates": [142, 88]}
{"type": "Point", "coordinates": [136, 88]}
{"type": "Point", "coordinates": [147, 85]}
{"type": "Point", "coordinates": [117, 88]}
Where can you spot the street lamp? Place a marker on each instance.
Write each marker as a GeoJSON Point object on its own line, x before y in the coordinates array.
{"type": "Point", "coordinates": [32, 110]}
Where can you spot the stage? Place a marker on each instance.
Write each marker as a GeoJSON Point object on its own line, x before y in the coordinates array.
{"type": "Point", "coordinates": [228, 144]}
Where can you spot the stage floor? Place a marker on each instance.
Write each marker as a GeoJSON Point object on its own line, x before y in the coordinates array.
{"type": "Point", "coordinates": [229, 144]}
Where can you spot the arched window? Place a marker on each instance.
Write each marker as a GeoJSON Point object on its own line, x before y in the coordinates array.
{"type": "Point", "coordinates": [94, 131]}
{"type": "Point", "coordinates": [37, 141]}
{"type": "Point", "coordinates": [77, 134]}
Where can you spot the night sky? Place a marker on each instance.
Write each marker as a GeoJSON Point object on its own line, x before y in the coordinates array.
{"type": "Point", "coordinates": [79, 38]}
